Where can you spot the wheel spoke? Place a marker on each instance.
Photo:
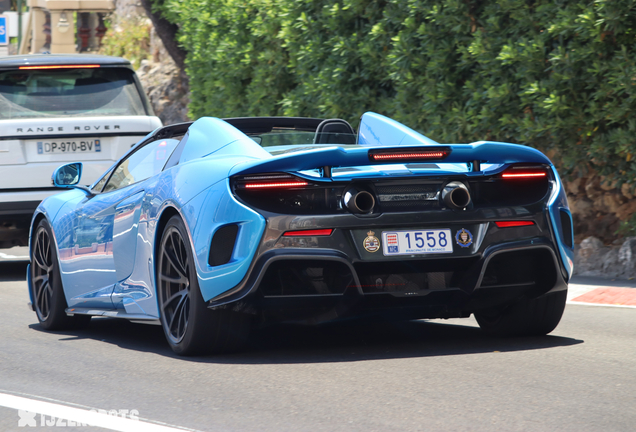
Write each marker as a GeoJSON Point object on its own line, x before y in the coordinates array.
{"type": "Point", "coordinates": [44, 278]}
{"type": "Point", "coordinates": [42, 299]}
{"type": "Point", "coordinates": [47, 305]}
{"type": "Point", "coordinates": [177, 317]}
{"type": "Point", "coordinates": [38, 253]}
{"type": "Point", "coordinates": [40, 293]}
{"type": "Point", "coordinates": [182, 293]}
{"type": "Point", "coordinates": [175, 263]}
{"type": "Point", "coordinates": [181, 279]}
{"type": "Point", "coordinates": [183, 319]}
{"type": "Point", "coordinates": [183, 254]}
{"type": "Point", "coordinates": [173, 248]}
{"type": "Point", "coordinates": [46, 246]}
{"type": "Point", "coordinates": [176, 247]}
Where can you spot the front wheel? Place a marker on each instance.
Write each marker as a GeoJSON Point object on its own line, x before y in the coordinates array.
{"type": "Point", "coordinates": [526, 317]}
{"type": "Point", "coordinates": [190, 327]}
{"type": "Point", "coordinates": [46, 284]}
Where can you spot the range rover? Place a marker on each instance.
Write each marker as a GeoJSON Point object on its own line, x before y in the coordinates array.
{"type": "Point", "coordinates": [60, 108]}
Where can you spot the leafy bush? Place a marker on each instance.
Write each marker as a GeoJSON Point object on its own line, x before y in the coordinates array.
{"type": "Point", "coordinates": [129, 38]}
{"type": "Point", "coordinates": [627, 228]}
{"type": "Point", "coordinates": [557, 75]}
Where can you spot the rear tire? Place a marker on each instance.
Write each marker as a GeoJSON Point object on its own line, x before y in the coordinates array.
{"type": "Point", "coordinates": [47, 291]}
{"type": "Point", "coordinates": [190, 327]}
{"type": "Point", "coordinates": [526, 317]}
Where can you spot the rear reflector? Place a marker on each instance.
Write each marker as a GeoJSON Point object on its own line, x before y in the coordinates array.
{"type": "Point", "coordinates": [410, 155]}
{"type": "Point", "coordinates": [508, 224]}
{"type": "Point", "coordinates": [308, 233]}
{"type": "Point", "coordinates": [85, 66]}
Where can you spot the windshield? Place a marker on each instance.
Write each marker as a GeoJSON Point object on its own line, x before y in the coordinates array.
{"type": "Point", "coordinates": [68, 93]}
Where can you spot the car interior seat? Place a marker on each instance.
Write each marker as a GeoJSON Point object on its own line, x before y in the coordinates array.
{"type": "Point", "coordinates": [334, 131]}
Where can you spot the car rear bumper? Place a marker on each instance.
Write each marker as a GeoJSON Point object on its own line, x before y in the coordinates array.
{"type": "Point", "coordinates": [316, 279]}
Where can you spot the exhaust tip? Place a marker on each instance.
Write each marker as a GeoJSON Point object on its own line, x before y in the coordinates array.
{"type": "Point", "coordinates": [359, 202]}
{"type": "Point", "coordinates": [456, 195]}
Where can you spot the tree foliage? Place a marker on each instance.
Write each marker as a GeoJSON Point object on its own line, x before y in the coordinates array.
{"type": "Point", "coordinates": [558, 75]}
{"type": "Point", "coordinates": [130, 38]}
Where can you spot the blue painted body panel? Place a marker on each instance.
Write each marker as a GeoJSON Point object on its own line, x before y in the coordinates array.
{"type": "Point", "coordinates": [218, 208]}
{"type": "Point", "coordinates": [559, 202]}
{"type": "Point", "coordinates": [106, 243]}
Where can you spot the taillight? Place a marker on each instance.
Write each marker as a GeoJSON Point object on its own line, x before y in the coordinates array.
{"type": "Point", "coordinates": [510, 224]}
{"type": "Point", "coordinates": [288, 184]}
{"type": "Point", "coordinates": [287, 194]}
{"type": "Point", "coordinates": [413, 154]}
{"type": "Point", "coordinates": [273, 181]}
{"type": "Point", "coordinates": [309, 233]}
{"type": "Point", "coordinates": [515, 185]}
{"type": "Point", "coordinates": [523, 173]}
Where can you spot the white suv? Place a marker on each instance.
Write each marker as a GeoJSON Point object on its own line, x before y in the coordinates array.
{"type": "Point", "coordinates": [60, 108]}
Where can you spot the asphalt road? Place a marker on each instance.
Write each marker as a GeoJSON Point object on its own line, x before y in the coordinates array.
{"type": "Point", "coordinates": [436, 375]}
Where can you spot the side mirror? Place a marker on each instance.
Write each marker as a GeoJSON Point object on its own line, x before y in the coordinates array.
{"type": "Point", "coordinates": [67, 176]}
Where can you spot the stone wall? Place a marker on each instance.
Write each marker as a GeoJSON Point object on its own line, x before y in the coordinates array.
{"type": "Point", "coordinates": [598, 208]}
{"type": "Point", "coordinates": [167, 89]}
{"type": "Point", "coordinates": [616, 261]}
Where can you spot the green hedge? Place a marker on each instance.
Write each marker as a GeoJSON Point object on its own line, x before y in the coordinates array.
{"type": "Point", "coordinates": [557, 75]}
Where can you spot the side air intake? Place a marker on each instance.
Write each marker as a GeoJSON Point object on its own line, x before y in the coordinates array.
{"type": "Point", "coordinates": [222, 246]}
{"type": "Point", "coordinates": [566, 226]}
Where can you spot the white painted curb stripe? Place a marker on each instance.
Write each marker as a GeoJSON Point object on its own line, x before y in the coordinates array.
{"type": "Point", "coordinates": [81, 416]}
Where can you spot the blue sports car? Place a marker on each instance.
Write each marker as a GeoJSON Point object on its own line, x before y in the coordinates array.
{"type": "Point", "coordinates": [212, 227]}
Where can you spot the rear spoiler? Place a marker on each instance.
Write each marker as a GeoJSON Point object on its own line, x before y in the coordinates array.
{"type": "Point", "coordinates": [481, 152]}
{"type": "Point", "coordinates": [380, 141]}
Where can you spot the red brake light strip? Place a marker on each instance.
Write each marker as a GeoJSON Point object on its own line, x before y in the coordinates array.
{"type": "Point", "coordinates": [509, 224]}
{"type": "Point", "coordinates": [85, 66]}
{"type": "Point", "coordinates": [308, 233]}
{"type": "Point", "coordinates": [275, 185]}
{"type": "Point", "coordinates": [523, 175]}
{"type": "Point", "coordinates": [414, 155]}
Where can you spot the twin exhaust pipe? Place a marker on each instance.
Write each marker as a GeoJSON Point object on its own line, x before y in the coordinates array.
{"type": "Point", "coordinates": [455, 195]}
{"type": "Point", "coordinates": [358, 202]}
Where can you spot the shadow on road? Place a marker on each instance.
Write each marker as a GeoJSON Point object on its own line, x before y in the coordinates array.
{"type": "Point", "coordinates": [335, 343]}
{"type": "Point", "coordinates": [11, 271]}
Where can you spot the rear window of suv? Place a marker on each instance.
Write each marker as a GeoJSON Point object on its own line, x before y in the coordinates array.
{"type": "Point", "coordinates": [69, 92]}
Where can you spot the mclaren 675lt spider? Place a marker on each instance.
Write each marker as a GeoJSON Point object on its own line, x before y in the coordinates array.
{"type": "Point", "coordinates": [212, 227]}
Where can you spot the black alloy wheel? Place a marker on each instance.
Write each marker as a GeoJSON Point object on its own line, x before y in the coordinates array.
{"type": "Point", "coordinates": [190, 327]}
{"type": "Point", "coordinates": [46, 284]}
{"type": "Point", "coordinates": [174, 285]}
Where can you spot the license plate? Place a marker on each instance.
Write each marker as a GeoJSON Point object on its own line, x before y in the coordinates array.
{"type": "Point", "coordinates": [417, 242]}
{"type": "Point", "coordinates": [69, 146]}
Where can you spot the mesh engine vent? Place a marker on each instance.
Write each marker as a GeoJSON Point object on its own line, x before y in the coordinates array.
{"type": "Point", "coordinates": [408, 197]}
